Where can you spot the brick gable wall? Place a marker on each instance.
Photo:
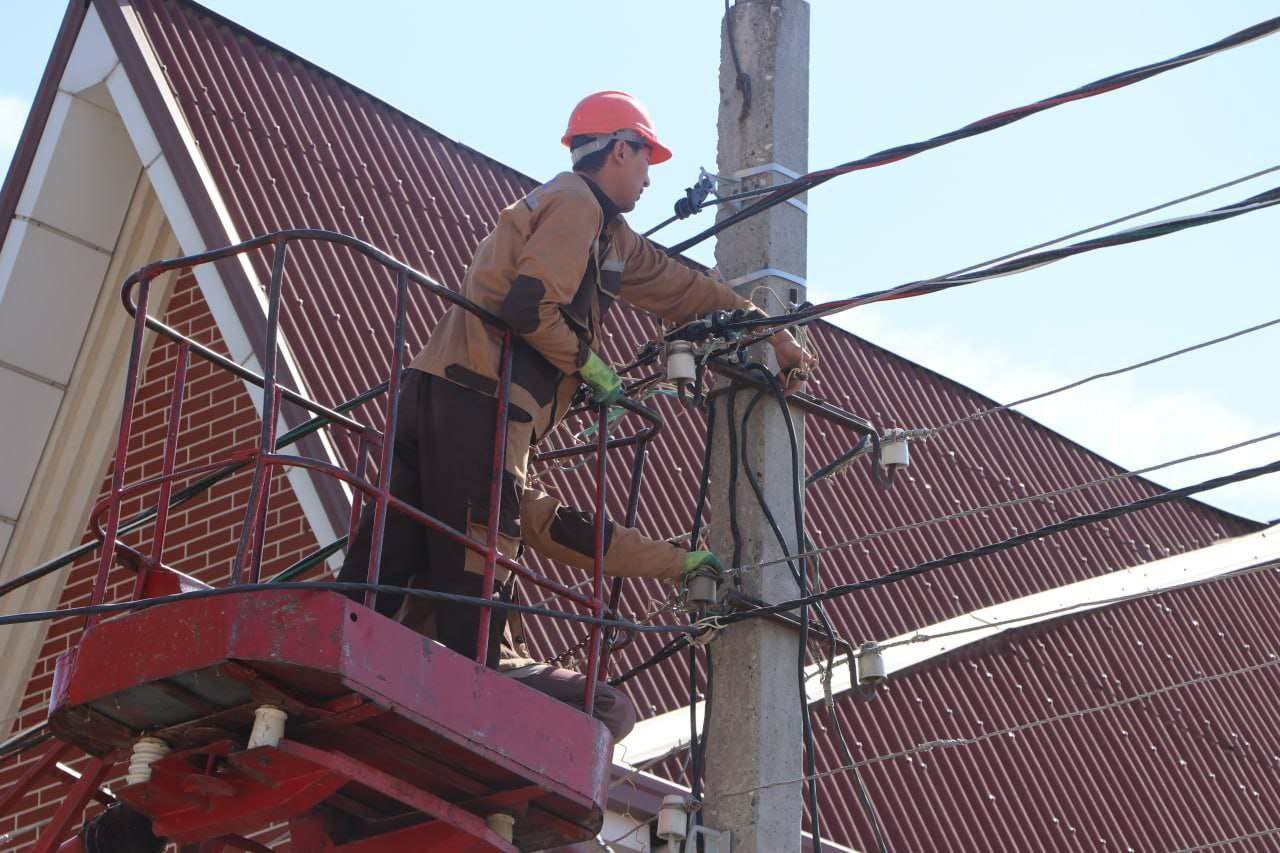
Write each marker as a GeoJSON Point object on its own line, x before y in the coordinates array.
{"type": "Point", "coordinates": [218, 416]}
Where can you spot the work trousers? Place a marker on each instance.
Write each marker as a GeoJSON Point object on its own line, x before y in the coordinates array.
{"type": "Point", "coordinates": [443, 458]}
{"type": "Point", "coordinates": [612, 707]}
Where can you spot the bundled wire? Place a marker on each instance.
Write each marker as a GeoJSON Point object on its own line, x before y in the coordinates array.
{"type": "Point", "coordinates": [766, 326]}
{"type": "Point", "coordinates": [799, 573]}
{"type": "Point", "coordinates": [901, 152]}
{"type": "Point", "coordinates": [1005, 544]}
{"type": "Point", "coordinates": [698, 744]}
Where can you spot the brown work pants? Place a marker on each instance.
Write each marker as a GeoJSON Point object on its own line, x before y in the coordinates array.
{"type": "Point", "coordinates": [443, 461]}
{"type": "Point", "coordinates": [443, 465]}
{"type": "Point", "coordinates": [612, 707]}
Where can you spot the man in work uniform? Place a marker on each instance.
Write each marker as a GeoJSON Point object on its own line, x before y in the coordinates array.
{"type": "Point", "coordinates": [552, 267]}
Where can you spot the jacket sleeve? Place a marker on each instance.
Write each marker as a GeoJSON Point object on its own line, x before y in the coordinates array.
{"type": "Point", "coordinates": [653, 282]}
{"type": "Point", "coordinates": [567, 535]}
{"type": "Point", "coordinates": [549, 270]}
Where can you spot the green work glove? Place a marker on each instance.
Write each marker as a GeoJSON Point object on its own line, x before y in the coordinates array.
{"type": "Point", "coordinates": [695, 560]}
{"type": "Point", "coordinates": [606, 386]}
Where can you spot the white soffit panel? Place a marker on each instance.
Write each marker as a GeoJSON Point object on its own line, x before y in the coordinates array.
{"type": "Point", "coordinates": [82, 191]}
{"type": "Point", "coordinates": [46, 306]}
{"type": "Point", "coordinates": [27, 409]}
{"type": "Point", "coordinates": [93, 58]}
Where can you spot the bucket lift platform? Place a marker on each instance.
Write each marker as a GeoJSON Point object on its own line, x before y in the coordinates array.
{"type": "Point", "coordinates": [392, 742]}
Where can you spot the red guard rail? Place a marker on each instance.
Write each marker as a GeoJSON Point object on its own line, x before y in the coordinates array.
{"type": "Point", "coordinates": [263, 457]}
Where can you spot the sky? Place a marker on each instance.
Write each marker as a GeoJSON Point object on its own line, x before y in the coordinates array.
{"type": "Point", "coordinates": [503, 76]}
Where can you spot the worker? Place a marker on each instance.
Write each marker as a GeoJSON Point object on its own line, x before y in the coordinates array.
{"type": "Point", "coordinates": [551, 269]}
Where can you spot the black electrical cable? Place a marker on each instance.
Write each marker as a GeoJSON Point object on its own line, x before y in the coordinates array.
{"type": "Point", "coordinates": [1261, 201]}
{"type": "Point", "coordinates": [698, 744]}
{"type": "Point", "coordinates": [837, 463]}
{"type": "Point", "coordinates": [183, 495]}
{"type": "Point", "coordinates": [1012, 542]}
{"type": "Point", "coordinates": [671, 648]}
{"type": "Point", "coordinates": [901, 152]}
{"type": "Point", "coordinates": [797, 498]}
{"type": "Point", "coordinates": [695, 533]}
{"type": "Point", "coordinates": [25, 740]}
{"type": "Point", "coordinates": [864, 796]}
{"type": "Point", "coordinates": [742, 80]}
{"type": "Point", "coordinates": [799, 574]}
{"type": "Point", "coordinates": [344, 586]}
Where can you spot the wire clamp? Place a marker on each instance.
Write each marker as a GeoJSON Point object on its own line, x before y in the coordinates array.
{"type": "Point", "coordinates": [711, 626]}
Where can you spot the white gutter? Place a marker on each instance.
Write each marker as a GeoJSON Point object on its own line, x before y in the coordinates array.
{"type": "Point", "coordinates": [668, 733]}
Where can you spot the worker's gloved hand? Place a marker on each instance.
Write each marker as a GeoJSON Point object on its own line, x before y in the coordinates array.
{"type": "Point", "coordinates": [695, 560]}
{"type": "Point", "coordinates": [606, 386]}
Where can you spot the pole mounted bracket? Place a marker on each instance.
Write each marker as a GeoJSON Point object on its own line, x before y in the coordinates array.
{"type": "Point", "coordinates": [741, 175]}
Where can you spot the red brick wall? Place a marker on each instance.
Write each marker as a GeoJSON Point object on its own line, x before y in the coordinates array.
{"type": "Point", "coordinates": [218, 415]}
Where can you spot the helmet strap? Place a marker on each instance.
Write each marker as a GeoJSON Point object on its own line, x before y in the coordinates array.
{"type": "Point", "coordinates": [599, 143]}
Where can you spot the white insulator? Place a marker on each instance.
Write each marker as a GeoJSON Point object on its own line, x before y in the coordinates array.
{"type": "Point", "coordinates": [870, 665]}
{"type": "Point", "coordinates": [147, 751]}
{"type": "Point", "coordinates": [703, 589]}
{"type": "Point", "coordinates": [268, 726]}
{"type": "Point", "coordinates": [893, 449]}
{"type": "Point", "coordinates": [680, 363]}
{"type": "Point", "coordinates": [673, 818]}
{"type": "Point", "coordinates": [502, 824]}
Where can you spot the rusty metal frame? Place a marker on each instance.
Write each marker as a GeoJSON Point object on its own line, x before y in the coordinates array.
{"type": "Point", "coordinates": [263, 458]}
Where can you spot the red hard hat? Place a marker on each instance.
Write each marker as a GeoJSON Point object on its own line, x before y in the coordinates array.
{"type": "Point", "coordinates": [606, 113]}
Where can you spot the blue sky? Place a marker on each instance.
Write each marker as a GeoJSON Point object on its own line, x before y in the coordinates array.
{"type": "Point", "coordinates": [502, 76]}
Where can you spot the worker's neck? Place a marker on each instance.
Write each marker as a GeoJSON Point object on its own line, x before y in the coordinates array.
{"type": "Point", "coordinates": [599, 184]}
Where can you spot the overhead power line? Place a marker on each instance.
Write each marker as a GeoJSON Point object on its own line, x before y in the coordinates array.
{"type": "Point", "coordinates": [946, 743]}
{"type": "Point", "coordinates": [768, 325]}
{"type": "Point", "coordinates": [901, 152]}
{"type": "Point", "coordinates": [1005, 544]}
{"type": "Point", "coordinates": [341, 586]}
{"type": "Point", "coordinates": [1173, 202]}
{"type": "Point", "coordinates": [1025, 499]}
{"type": "Point", "coordinates": [842, 462]}
{"type": "Point", "coordinates": [976, 416]}
{"type": "Point", "coordinates": [1232, 841]}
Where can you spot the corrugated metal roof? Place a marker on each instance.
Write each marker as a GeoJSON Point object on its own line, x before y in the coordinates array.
{"type": "Point", "coordinates": [289, 145]}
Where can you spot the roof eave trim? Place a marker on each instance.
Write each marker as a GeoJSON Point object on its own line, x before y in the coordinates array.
{"type": "Point", "coordinates": [212, 226]}
{"type": "Point", "coordinates": [38, 117]}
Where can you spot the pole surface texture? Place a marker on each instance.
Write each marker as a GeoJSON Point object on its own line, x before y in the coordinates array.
{"type": "Point", "coordinates": [754, 723]}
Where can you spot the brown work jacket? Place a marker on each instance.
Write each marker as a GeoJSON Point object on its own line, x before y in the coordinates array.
{"type": "Point", "coordinates": [551, 269]}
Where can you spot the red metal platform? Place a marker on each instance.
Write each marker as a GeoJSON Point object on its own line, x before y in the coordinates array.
{"type": "Point", "coordinates": [393, 742]}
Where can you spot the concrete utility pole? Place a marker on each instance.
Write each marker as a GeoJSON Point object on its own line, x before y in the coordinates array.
{"type": "Point", "coordinates": [754, 726]}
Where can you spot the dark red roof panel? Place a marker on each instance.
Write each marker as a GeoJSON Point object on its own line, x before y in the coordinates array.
{"type": "Point", "coordinates": [292, 146]}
